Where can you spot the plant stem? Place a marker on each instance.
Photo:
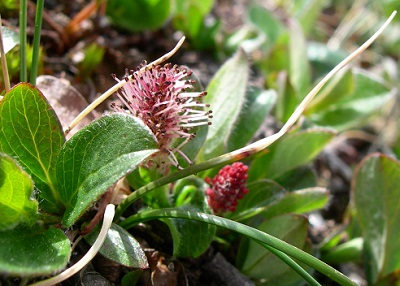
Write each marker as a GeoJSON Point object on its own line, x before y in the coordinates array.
{"type": "Point", "coordinates": [257, 235]}
{"type": "Point", "coordinates": [36, 40]}
{"type": "Point", "coordinates": [256, 146]}
{"type": "Point", "coordinates": [4, 67]}
{"type": "Point", "coordinates": [214, 162]}
{"type": "Point", "coordinates": [292, 264]}
{"type": "Point", "coordinates": [23, 9]}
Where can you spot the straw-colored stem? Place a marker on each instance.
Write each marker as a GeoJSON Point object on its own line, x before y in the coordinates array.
{"type": "Point", "coordinates": [256, 146]}
{"type": "Point", "coordinates": [6, 76]}
{"type": "Point", "coordinates": [108, 218]}
{"type": "Point", "coordinates": [119, 85]}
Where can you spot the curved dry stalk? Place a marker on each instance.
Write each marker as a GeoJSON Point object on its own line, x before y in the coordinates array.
{"type": "Point", "coordinates": [108, 218]}
{"type": "Point", "coordinates": [256, 146]}
{"type": "Point", "coordinates": [264, 143]}
{"type": "Point", "coordinates": [4, 61]}
{"type": "Point", "coordinates": [119, 85]}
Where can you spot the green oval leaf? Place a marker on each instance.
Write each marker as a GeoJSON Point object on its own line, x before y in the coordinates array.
{"type": "Point", "coordinates": [290, 152]}
{"type": "Point", "coordinates": [120, 246]}
{"type": "Point", "coordinates": [376, 194]}
{"type": "Point", "coordinates": [97, 156]}
{"type": "Point", "coordinates": [31, 133]}
{"type": "Point", "coordinates": [261, 194]}
{"type": "Point", "coordinates": [27, 254]}
{"type": "Point", "coordinates": [16, 189]}
{"type": "Point", "coordinates": [301, 201]}
{"type": "Point", "coordinates": [225, 94]}
{"type": "Point", "coordinates": [368, 96]}
{"type": "Point", "coordinates": [258, 104]}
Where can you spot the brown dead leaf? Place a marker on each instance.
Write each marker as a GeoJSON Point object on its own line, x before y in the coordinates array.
{"type": "Point", "coordinates": [66, 101]}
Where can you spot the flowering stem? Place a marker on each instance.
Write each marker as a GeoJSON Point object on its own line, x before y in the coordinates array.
{"type": "Point", "coordinates": [266, 240]}
{"type": "Point", "coordinates": [119, 85]}
{"type": "Point", "coordinates": [256, 146]}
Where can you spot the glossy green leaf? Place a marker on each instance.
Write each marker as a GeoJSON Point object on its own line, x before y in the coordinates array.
{"type": "Point", "coordinates": [16, 187]}
{"type": "Point", "coordinates": [131, 278]}
{"type": "Point", "coordinates": [346, 252]}
{"type": "Point", "coordinates": [302, 177]}
{"type": "Point", "coordinates": [370, 94]}
{"type": "Point", "coordinates": [261, 195]}
{"type": "Point", "coordinates": [139, 15]}
{"type": "Point", "coordinates": [189, 15]}
{"type": "Point", "coordinates": [120, 246]}
{"type": "Point", "coordinates": [190, 238]}
{"type": "Point", "coordinates": [97, 156]}
{"type": "Point", "coordinates": [301, 201]}
{"type": "Point", "coordinates": [291, 151]}
{"type": "Point", "coordinates": [322, 58]}
{"type": "Point", "coordinates": [27, 254]}
{"type": "Point", "coordinates": [258, 263]}
{"type": "Point", "coordinates": [376, 193]}
{"type": "Point", "coordinates": [258, 105]}
{"type": "Point", "coordinates": [339, 88]}
{"type": "Point", "coordinates": [31, 133]}
{"type": "Point", "coordinates": [10, 39]}
{"type": "Point", "coordinates": [226, 95]}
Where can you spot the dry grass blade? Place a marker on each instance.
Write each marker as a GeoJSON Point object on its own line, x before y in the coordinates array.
{"type": "Point", "coordinates": [119, 85]}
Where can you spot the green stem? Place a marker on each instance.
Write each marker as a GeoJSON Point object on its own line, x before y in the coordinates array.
{"type": "Point", "coordinates": [292, 264]}
{"type": "Point", "coordinates": [23, 9]}
{"type": "Point", "coordinates": [36, 40]}
{"type": "Point", "coordinates": [257, 235]}
{"type": "Point", "coordinates": [214, 162]}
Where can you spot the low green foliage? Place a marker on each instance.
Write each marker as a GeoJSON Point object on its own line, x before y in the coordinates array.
{"type": "Point", "coordinates": [50, 185]}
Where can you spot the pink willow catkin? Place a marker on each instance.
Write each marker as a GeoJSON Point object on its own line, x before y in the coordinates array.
{"type": "Point", "coordinates": [159, 97]}
{"type": "Point", "coordinates": [227, 188]}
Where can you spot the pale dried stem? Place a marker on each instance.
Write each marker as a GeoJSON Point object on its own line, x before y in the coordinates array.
{"type": "Point", "coordinates": [119, 85]}
{"type": "Point", "coordinates": [264, 143]}
{"type": "Point", "coordinates": [108, 218]}
{"type": "Point", "coordinates": [4, 61]}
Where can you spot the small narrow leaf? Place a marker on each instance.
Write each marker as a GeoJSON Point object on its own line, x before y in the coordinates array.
{"type": "Point", "coordinates": [301, 201]}
{"type": "Point", "coordinates": [120, 246]}
{"type": "Point", "coordinates": [376, 193]}
{"type": "Point", "coordinates": [16, 189]}
{"type": "Point", "coordinates": [258, 104]}
{"type": "Point", "coordinates": [226, 95]}
{"type": "Point", "coordinates": [31, 133]}
{"type": "Point", "coordinates": [97, 156]}
{"type": "Point", "coordinates": [190, 238]}
{"type": "Point", "coordinates": [299, 73]}
{"type": "Point", "coordinates": [261, 195]}
{"type": "Point", "coordinates": [27, 254]}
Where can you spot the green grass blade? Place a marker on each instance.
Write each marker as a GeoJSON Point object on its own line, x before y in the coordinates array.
{"type": "Point", "coordinates": [257, 235]}
{"type": "Point", "coordinates": [22, 39]}
{"type": "Point", "coordinates": [36, 40]}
